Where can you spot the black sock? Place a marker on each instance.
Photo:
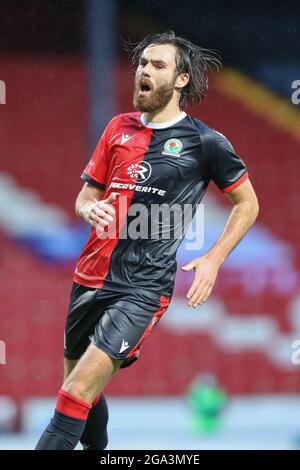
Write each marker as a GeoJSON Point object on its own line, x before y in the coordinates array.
{"type": "Point", "coordinates": [67, 425]}
{"type": "Point", "coordinates": [63, 433]}
{"type": "Point", "coordinates": [94, 436]}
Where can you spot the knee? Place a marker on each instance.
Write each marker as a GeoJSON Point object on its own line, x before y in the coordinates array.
{"type": "Point", "coordinates": [76, 388]}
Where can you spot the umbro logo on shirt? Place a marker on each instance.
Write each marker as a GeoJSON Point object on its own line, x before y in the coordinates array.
{"type": "Point", "coordinates": [124, 346]}
{"type": "Point", "coordinates": [125, 138]}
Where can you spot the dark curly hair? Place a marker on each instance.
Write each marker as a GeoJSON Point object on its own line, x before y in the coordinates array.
{"type": "Point", "coordinates": [191, 59]}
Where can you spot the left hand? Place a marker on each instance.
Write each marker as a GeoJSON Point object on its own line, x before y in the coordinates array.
{"type": "Point", "coordinates": [206, 270]}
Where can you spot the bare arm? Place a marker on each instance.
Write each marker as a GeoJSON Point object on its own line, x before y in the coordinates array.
{"type": "Point", "coordinates": [92, 208]}
{"type": "Point", "coordinates": [242, 216]}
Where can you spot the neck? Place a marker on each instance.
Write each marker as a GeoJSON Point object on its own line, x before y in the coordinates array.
{"type": "Point", "coordinates": [168, 113]}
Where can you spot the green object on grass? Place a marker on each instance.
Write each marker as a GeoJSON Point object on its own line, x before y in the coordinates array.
{"type": "Point", "coordinates": [207, 401]}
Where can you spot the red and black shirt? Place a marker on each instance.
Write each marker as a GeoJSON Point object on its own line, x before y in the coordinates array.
{"type": "Point", "coordinates": [151, 164]}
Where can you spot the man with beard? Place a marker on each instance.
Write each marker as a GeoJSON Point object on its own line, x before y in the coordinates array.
{"type": "Point", "coordinates": [123, 284]}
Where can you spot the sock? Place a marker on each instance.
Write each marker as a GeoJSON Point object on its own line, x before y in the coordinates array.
{"type": "Point", "coordinates": [94, 436]}
{"type": "Point", "coordinates": [67, 425]}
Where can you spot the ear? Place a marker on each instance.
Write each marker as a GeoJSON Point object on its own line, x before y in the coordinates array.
{"type": "Point", "coordinates": [182, 80]}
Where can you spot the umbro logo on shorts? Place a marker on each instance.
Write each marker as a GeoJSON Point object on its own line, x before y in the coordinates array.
{"type": "Point", "coordinates": [124, 346]}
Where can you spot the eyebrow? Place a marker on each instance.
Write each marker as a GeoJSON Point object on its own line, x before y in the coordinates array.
{"type": "Point", "coordinates": [154, 61]}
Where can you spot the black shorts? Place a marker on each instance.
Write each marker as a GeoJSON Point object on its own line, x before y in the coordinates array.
{"type": "Point", "coordinates": [116, 322]}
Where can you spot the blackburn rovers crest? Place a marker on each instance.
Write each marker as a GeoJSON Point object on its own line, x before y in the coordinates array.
{"type": "Point", "coordinates": [172, 147]}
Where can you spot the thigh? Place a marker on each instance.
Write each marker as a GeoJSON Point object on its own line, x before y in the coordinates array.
{"type": "Point", "coordinates": [91, 373]}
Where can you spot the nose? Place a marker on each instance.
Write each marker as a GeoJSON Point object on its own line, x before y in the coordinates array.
{"type": "Point", "coordinates": [146, 70]}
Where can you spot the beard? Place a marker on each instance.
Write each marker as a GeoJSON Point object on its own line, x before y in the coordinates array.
{"type": "Point", "coordinates": [157, 99]}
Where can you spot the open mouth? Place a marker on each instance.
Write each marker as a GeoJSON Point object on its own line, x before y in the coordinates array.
{"type": "Point", "coordinates": [144, 89]}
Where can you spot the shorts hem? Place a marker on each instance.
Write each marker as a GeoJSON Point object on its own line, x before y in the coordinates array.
{"type": "Point", "coordinates": [104, 349]}
{"type": "Point", "coordinates": [127, 361]}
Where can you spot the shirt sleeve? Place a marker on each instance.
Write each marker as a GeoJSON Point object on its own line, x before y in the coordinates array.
{"type": "Point", "coordinates": [96, 171]}
{"type": "Point", "coordinates": [227, 169]}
